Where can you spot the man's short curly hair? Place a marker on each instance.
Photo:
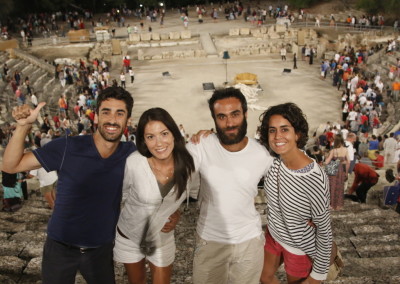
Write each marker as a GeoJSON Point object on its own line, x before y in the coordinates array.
{"type": "Point", "coordinates": [293, 114]}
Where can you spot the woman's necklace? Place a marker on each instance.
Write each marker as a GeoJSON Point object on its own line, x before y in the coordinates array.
{"type": "Point", "coordinates": [163, 174]}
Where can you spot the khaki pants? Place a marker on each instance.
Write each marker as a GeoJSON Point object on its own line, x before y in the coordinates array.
{"type": "Point", "coordinates": [218, 263]}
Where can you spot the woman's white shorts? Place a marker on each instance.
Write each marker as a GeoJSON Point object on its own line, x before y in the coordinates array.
{"type": "Point", "coordinates": [126, 251]}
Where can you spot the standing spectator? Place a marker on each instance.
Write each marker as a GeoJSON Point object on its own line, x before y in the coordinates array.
{"type": "Point", "coordinates": [389, 149]}
{"type": "Point", "coordinates": [34, 100]}
{"type": "Point", "coordinates": [283, 53]}
{"type": "Point", "coordinates": [295, 60]}
{"type": "Point", "coordinates": [123, 79]}
{"type": "Point", "coordinates": [131, 74]}
{"type": "Point", "coordinates": [336, 183]}
{"type": "Point", "coordinates": [349, 143]}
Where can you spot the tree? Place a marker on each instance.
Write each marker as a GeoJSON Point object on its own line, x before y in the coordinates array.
{"type": "Point", "coordinates": [388, 7]}
{"type": "Point", "coordinates": [6, 8]}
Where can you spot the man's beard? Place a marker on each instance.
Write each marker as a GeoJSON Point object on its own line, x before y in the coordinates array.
{"type": "Point", "coordinates": [110, 137]}
{"type": "Point", "coordinates": [232, 139]}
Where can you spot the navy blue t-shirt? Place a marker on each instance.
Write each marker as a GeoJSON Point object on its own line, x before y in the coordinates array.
{"type": "Point", "coordinates": [89, 189]}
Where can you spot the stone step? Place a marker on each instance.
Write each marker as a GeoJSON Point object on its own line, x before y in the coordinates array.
{"type": "Point", "coordinates": [34, 74]}
{"type": "Point", "coordinates": [359, 267]}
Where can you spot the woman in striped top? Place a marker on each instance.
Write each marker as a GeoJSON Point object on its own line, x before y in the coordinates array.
{"type": "Point", "coordinates": [299, 227]}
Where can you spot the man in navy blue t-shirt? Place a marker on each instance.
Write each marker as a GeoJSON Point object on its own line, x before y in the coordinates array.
{"type": "Point", "coordinates": [81, 229]}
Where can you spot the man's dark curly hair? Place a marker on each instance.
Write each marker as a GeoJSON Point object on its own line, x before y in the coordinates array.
{"type": "Point", "coordinates": [293, 114]}
{"type": "Point", "coordinates": [117, 93]}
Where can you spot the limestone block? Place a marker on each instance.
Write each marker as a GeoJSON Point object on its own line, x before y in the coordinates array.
{"type": "Point", "coordinates": [140, 54]}
{"type": "Point", "coordinates": [234, 32]}
{"type": "Point", "coordinates": [244, 31]}
{"type": "Point", "coordinates": [11, 264]}
{"type": "Point", "coordinates": [27, 236]}
{"type": "Point", "coordinates": [164, 36]}
{"type": "Point", "coordinates": [280, 28]}
{"type": "Point", "coordinates": [273, 35]}
{"type": "Point", "coordinates": [244, 51]}
{"type": "Point", "coordinates": [186, 34]}
{"type": "Point", "coordinates": [255, 31]}
{"type": "Point", "coordinates": [200, 53]}
{"type": "Point", "coordinates": [34, 266]}
{"type": "Point", "coordinates": [157, 57]}
{"type": "Point", "coordinates": [271, 29]}
{"type": "Point", "coordinates": [265, 50]}
{"type": "Point", "coordinates": [10, 248]}
{"type": "Point", "coordinates": [254, 51]}
{"type": "Point", "coordinates": [134, 37]}
{"type": "Point", "coordinates": [274, 49]}
{"type": "Point", "coordinates": [155, 36]}
{"type": "Point", "coordinates": [167, 55]}
{"type": "Point", "coordinates": [155, 44]}
{"type": "Point", "coordinates": [263, 30]}
{"type": "Point", "coordinates": [367, 229]}
{"type": "Point", "coordinates": [143, 44]}
{"type": "Point", "coordinates": [174, 35]}
{"type": "Point", "coordinates": [177, 54]}
{"type": "Point", "coordinates": [168, 43]}
{"type": "Point", "coordinates": [188, 53]}
{"type": "Point", "coordinates": [10, 226]}
{"type": "Point", "coordinates": [32, 249]}
{"type": "Point", "coordinates": [145, 36]}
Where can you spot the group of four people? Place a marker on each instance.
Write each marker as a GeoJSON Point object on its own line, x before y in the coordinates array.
{"type": "Point", "coordinates": [97, 172]}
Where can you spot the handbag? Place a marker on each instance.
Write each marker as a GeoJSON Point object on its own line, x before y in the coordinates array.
{"type": "Point", "coordinates": [332, 167]}
{"type": "Point", "coordinates": [391, 194]}
{"type": "Point", "coordinates": [336, 263]}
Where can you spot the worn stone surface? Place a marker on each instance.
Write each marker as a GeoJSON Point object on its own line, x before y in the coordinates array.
{"type": "Point", "coordinates": [186, 34]}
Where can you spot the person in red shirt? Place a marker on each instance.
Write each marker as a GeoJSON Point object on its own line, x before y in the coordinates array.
{"type": "Point", "coordinates": [365, 178]}
{"type": "Point", "coordinates": [379, 161]}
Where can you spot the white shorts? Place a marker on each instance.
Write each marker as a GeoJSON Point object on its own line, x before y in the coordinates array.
{"type": "Point", "coordinates": [126, 251]}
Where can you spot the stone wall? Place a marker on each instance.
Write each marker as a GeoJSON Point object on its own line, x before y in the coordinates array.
{"type": "Point", "coordinates": [18, 53]}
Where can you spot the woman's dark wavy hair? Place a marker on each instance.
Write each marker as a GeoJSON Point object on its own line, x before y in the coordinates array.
{"type": "Point", "coordinates": [183, 161]}
{"type": "Point", "coordinates": [293, 114]}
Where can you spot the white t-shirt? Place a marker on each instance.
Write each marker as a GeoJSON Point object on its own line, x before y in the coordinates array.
{"type": "Point", "coordinates": [45, 178]}
{"type": "Point", "coordinates": [228, 188]}
{"type": "Point", "coordinates": [350, 150]}
{"type": "Point", "coordinates": [352, 115]}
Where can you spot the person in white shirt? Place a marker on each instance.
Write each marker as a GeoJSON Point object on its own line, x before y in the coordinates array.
{"type": "Point", "coordinates": [229, 244]}
{"type": "Point", "coordinates": [389, 148]}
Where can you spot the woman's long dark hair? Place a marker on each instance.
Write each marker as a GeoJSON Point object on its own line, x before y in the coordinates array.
{"type": "Point", "coordinates": [183, 161]}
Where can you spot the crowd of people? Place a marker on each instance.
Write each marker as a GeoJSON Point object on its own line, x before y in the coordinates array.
{"type": "Point", "coordinates": [153, 177]}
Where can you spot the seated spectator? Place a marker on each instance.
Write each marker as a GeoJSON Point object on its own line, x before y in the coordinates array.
{"type": "Point", "coordinates": [378, 162]}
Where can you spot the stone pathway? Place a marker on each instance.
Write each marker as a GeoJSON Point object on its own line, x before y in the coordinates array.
{"type": "Point", "coordinates": [367, 236]}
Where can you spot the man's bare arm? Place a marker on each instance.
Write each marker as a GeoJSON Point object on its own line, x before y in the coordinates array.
{"type": "Point", "coordinates": [14, 159]}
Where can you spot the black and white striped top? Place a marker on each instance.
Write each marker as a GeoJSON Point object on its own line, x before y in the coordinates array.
{"type": "Point", "coordinates": [302, 196]}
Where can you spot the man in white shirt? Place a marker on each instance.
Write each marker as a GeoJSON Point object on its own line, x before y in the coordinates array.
{"type": "Point", "coordinates": [389, 148]}
{"type": "Point", "coordinates": [230, 241]}
{"type": "Point", "coordinates": [349, 142]}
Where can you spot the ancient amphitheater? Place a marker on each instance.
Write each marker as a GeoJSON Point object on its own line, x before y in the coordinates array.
{"type": "Point", "coordinates": [367, 234]}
